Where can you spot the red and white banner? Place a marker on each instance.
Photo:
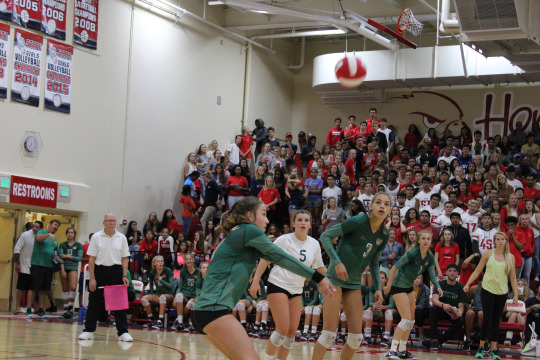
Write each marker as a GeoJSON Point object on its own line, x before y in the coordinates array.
{"type": "Point", "coordinates": [85, 24]}
{"type": "Point", "coordinates": [26, 67]}
{"type": "Point", "coordinates": [58, 76]}
{"type": "Point", "coordinates": [27, 13]}
{"type": "Point", "coordinates": [6, 7]}
{"type": "Point", "coordinates": [53, 18]}
{"type": "Point", "coordinates": [4, 59]}
{"type": "Point", "coordinates": [33, 192]}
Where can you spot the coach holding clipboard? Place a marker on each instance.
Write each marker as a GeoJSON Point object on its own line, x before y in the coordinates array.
{"type": "Point", "coordinates": [108, 265]}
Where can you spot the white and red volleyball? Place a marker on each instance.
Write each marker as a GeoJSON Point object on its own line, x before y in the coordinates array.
{"type": "Point", "coordinates": [350, 71]}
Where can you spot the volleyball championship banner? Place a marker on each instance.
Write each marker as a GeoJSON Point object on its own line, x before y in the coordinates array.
{"type": "Point", "coordinates": [85, 24]}
{"type": "Point", "coordinates": [6, 7]}
{"type": "Point", "coordinates": [4, 59]}
{"type": "Point", "coordinates": [53, 18]}
{"type": "Point", "coordinates": [26, 67]}
{"type": "Point", "coordinates": [58, 76]}
{"type": "Point", "coordinates": [27, 13]}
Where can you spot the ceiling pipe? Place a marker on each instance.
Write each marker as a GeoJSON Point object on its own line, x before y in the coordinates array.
{"type": "Point", "coordinates": [360, 29]}
{"type": "Point", "coordinates": [448, 25]}
{"type": "Point", "coordinates": [302, 55]}
{"type": "Point", "coordinates": [300, 34]}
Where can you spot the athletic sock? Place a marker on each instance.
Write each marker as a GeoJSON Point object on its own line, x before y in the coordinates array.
{"type": "Point", "coordinates": [161, 317]}
{"type": "Point", "coordinates": [402, 345]}
{"type": "Point", "coordinates": [394, 346]}
{"type": "Point", "coordinates": [367, 332]}
{"type": "Point", "coordinates": [313, 329]}
{"type": "Point", "coordinates": [268, 357]}
{"type": "Point", "coordinates": [343, 331]}
{"type": "Point", "coordinates": [180, 319]}
{"type": "Point", "coordinates": [306, 329]}
{"type": "Point", "coordinates": [386, 335]}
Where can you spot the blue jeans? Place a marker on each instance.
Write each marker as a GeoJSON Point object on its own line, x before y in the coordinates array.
{"type": "Point", "coordinates": [187, 224]}
{"type": "Point", "coordinates": [526, 269]}
{"type": "Point", "coordinates": [536, 256]}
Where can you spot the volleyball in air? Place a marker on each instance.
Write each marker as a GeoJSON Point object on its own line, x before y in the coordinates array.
{"type": "Point", "coordinates": [350, 71]}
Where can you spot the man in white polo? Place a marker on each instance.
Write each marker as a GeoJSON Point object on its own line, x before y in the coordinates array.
{"type": "Point", "coordinates": [108, 265]}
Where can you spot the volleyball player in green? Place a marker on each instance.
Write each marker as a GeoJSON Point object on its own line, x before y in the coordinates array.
{"type": "Point", "coordinates": [400, 286]}
{"type": "Point", "coordinates": [160, 290]}
{"type": "Point", "coordinates": [363, 238]}
{"type": "Point", "coordinates": [228, 276]}
{"type": "Point", "coordinates": [186, 292]}
{"type": "Point", "coordinates": [70, 253]}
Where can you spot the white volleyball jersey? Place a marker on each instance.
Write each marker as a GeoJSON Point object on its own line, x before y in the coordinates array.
{"type": "Point", "coordinates": [433, 213]}
{"type": "Point", "coordinates": [470, 222]}
{"type": "Point", "coordinates": [484, 238]}
{"type": "Point", "coordinates": [308, 252]}
{"type": "Point", "coordinates": [424, 198]}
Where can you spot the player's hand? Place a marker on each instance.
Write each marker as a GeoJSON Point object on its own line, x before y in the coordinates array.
{"type": "Point", "coordinates": [63, 274]}
{"type": "Point", "coordinates": [126, 281]}
{"type": "Point", "coordinates": [466, 289]}
{"type": "Point", "coordinates": [515, 300]}
{"type": "Point", "coordinates": [255, 289]}
{"type": "Point", "coordinates": [386, 289]}
{"type": "Point", "coordinates": [92, 285]}
{"type": "Point", "coordinates": [441, 292]}
{"type": "Point", "coordinates": [341, 272]}
{"type": "Point", "coordinates": [378, 297]}
{"type": "Point", "coordinates": [52, 237]}
{"type": "Point", "coordinates": [326, 287]}
{"type": "Point", "coordinates": [440, 277]}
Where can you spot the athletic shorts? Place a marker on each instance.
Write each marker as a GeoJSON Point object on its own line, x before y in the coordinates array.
{"type": "Point", "coordinates": [68, 271]}
{"type": "Point", "coordinates": [274, 289]}
{"type": "Point", "coordinates": [41, 278]}
{"type": "Point", "coordinates": [24, 281]}
{"type": "Point", "coordinates": [200, 319]}
{"type": "Point", "coordinates": [399, 290]}
{"type": "Point", "coordinates": [313, 203]}
{"type": "Point", "coordinates": [344, 290]}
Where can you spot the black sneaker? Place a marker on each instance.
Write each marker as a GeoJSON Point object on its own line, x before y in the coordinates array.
{"type": "Point", "coordinates": [406, 355]}
{"type": "Point", "coordinates": [42, 314]}
{"type": "Point", "coordinates": [304, 337]}
{"type": "Point", "coordinates": [385, 342]}
{"type": "Point", "coordinates": [426, 344]}
{"type": "Point", "coordinates": [158, 325]}
{"type": "Point", "coordinates": [467, 345]}
{"type": "Point", "coordinates": [259, 333]}
{"type": "Point", "coordinates": [67, 315]}
{"type": "Point", "coordinates": [434, 345]}
{"type": "Point", "coordinates": [51, 309]}
{"type": "Point", "coordinates": [149, 324]}
{"type": "Point", "coordinates": [177, 325]}
{"type": "Point", "coordinates": [392, 355]}
{"type": "Point", "coordinates": [312, 337]}
{"type": "Point", "coordinates": [190, 328]}
{"type": "Point", "coordinates": [340, 339]}
{"type": "Point", "coordinates": [29, 313]}
{"type": "Point", "coordinates": [367, 340]}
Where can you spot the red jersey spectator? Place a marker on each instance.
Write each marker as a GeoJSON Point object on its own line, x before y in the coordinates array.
{"type": "Point", "coordinates": [372, 117]}
{"type": "Point", "coordinates": [148, 246]}
{"type": "Point", "coordinates": [246, 145]}
{"type": "Point", "coordinates": [270, 197]}
{"type": "Point", "coordinates": [351, 132]}
{"type": "Point", "coordinates": [530, 191]}
{"type": "Point", "coordinates": [447, 251]}
{"type": "Point", "coordinates": [335, 134]}
{"type": "Point", "coordinates": [467, 268]}
{"type": "Point", "coordinates": [189, 208]}
{"type": "Point", "coordinates": [516, 240]}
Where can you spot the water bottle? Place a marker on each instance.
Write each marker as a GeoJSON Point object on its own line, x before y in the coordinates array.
{"type": "Point", "coordinates": [55, 257]}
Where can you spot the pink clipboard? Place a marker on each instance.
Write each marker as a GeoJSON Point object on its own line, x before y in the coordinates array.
{"type": "Point", "coordinates": [116, 297]}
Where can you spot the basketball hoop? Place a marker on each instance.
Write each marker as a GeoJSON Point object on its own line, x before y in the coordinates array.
{"type": "Point", "coordinates": [407, 21]}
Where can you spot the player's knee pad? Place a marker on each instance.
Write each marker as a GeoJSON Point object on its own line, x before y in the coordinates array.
{"type": "Point", "coordinates": [308, 310]}
{"type": "Point", "coordinates": [145, 302]}
{"type": "Point", "coordinates": [236, 307]}
{"type": "Point", "coordinates": [162, 299]}
{"type": "Point", "coordinates": [368, 315]}
{"type": "Point", "coordinates": [354, 340]}
{"type": "Point", "coordinates": [388, 315]}
{"type": "Point", "coordinates": [343, 317]}
{"type": "Point", "coordinates": [277, 339]}
{"type": "Point", "coordinates": [72, 294]}
{"type": "Point", "coordinates": [259, 307]}
{"type": "Point", "coordinates": [190, 304]}
{"type": "Point", "coordinates": [288, 343]}
{"type": "Point", "coordinates": [65, 296]}
{"type": "Point", "coordinates": [179, 298]}
{"type": "Point", "coordinates": [327, 338]}
{"type": "Point", "coordinates": [265, 307]}
{"type": "Point", "coordinates": [406, 324]}
{"type": "Point", "coordinates": [239, 306]}
{"type": "Point", "coordinates": [316, 310]}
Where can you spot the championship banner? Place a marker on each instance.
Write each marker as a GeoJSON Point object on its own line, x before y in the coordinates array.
{"type": "Point", "coordinates": [4, 61]}
{"type": "Point", "coordinates": [6, 7]}
{"type": "Point", "coordinates": [27, 13]}
{"type": "Point", "coordinates": [58, 76]}
{"type": "Point", "coordinates": [85, 24]}
{"type": "Point", "coordinates": [26, 67]}
{"type": "Point", "coordinates": [53, 18]}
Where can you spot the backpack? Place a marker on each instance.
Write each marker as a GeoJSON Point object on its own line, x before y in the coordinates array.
{"type": "Point", "coordinates": [532, 348]}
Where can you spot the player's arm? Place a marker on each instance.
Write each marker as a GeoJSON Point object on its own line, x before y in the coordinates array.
{"type": "Point", "coordinates": [78, 257]}
{"type": "Point", "coordinates": [374, 267]}
{"type": "Point", "coordinates": [326, 241]}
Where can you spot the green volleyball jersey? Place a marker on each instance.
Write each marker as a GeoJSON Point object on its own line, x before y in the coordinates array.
{"type": "Point", "coordinates": [358, 248]}
{"type": "Point", "coordinates": [199, 285]}
{"type": "Point", "coordinates": [310, 294]}
{"type": "Point", "coordinates": [165, 286]}
{"type": "Point", "coordinates": [74, 250]}
{"type": "Point", "coordinates": [187, 284]}
{"type": "Point", "coordinates": [234, 261]}
{"type": "Point", "coordinates": [262, 294]}
{"type": "Point", "coordinates": [43, 251]}
{"type": "Point", "coordinates": [131, 288]}
{"type": "Point", "coordinates": [411, 265]}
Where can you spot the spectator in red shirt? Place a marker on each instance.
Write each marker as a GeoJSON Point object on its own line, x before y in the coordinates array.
{"type": "Point", "coordinates": [335, 134]}
{"type": "Point", "coordinates": [447, 251]}
{"type": "Point", "coordinates": [237, 186]}
{"type": "Point", "coordinates": [246, 145]}
{"type": "Point", "coordinates": [529, 191]}
{"type": "Point", "coordinates": [169, 221]}
{"type": "Point", "coordinates": [468, 267]}
{"type": "Point", "coordinates": [352, 131]}
{"type": "Point", "coordinates": [269, 195]}
{"type": "Point", "coordinates": [528, 249]}
{"type": "Point", "coordinates": [189, 207]}
{"type": "Point", "coordinates": [425, 224]}
{"type": "Point", "coordinates": [372, 117]}
{"type": "Point", "coordinates": [516, 241]}
{"type": "Point", "coordinates": [412, 138]}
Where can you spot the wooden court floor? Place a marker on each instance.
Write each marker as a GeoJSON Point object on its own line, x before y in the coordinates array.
{"type": "Point", "coordinates": [21, 338]}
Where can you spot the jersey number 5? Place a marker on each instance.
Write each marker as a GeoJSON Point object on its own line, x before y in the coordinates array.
{"type": "Point", "coordinates": [368, 250]}
{"type": "Point", "coordinates": [302, 255]}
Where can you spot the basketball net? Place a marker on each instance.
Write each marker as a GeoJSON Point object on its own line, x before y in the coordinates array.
{"type": "Point", "coordinates": [407, 21]}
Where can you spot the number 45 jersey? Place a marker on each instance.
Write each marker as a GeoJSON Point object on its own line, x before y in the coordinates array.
{"type": "Point", "coordinates": [482, 240]}
{"type": "Point", "coordinates": [308, 252]}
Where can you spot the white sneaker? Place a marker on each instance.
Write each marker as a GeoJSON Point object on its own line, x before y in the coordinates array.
{"type": "Point", "coordinates": [86, 336]}
{"type": "Point", "coordinates": [125, 337]}
{"type": "Point", "coordinates": [22, 310]}
{"type": "Point", "coordinates": [536, 278]}
{"type": "Point", "coordinates": [507, 342]}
